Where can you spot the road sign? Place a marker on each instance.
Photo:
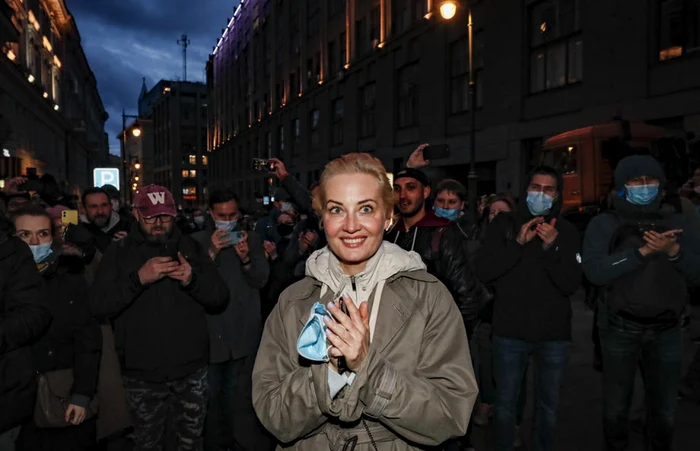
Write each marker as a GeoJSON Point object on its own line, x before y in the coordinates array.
{"type": "Point", "coordinates": [106, 176]}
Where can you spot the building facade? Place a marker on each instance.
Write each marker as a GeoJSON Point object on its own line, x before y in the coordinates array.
{"type": "Point", "coordinates": [173, 119]}
{"type": "Point", "coordinates": [309, 80]}
{"type": "Point", "coordinates": [51, 114]}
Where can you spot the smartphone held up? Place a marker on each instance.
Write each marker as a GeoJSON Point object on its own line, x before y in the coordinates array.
{"type": "Point", "coordinates": [263, 165]}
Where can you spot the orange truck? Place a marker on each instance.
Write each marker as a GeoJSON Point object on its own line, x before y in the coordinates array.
{"type": "Point", "coordinates": [587, 157]}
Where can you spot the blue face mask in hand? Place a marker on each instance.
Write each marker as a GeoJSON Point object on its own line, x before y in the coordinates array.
{"type": "Point", "coordinates": [539, 203]}
{"type": "Point", "coordinates": [312, 341]}
{"type": "Point", "coordinates": [452, 215]}
{"type": "Point", "coordinates": [642, 194]}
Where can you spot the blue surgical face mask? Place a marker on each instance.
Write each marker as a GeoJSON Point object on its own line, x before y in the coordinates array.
{"type": "Point", "coordinates": [642, 194]}
{"type": "Point", "coordinates": [312, 343]}
{"type": "Point", "coordinates": [539, 203]}
{"type": "Point", "coordinates": [286, 207]}
{"type": "Point", "coordinates": [226, 226]}
{"type": "Point", "coordinates": [41, 252]}
{"type": "Point", "coordinates": [452, 215]}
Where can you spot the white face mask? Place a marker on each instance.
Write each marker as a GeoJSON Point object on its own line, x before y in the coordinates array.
{"type": "Point", "coordinates": [199, 220]}
{"type": "Point", "coordinates": [115, 205]}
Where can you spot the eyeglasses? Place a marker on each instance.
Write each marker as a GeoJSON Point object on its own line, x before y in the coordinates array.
{"type": "Point", "coordinates": [164, 219]}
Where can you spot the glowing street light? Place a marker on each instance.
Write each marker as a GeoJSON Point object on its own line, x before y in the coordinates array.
{"type": "Point", "coordinates": [137, 165]}
{"type": "Point", "coordinates": [31, 78]}
{"type": "Point", "coordinates": [136, 132]}
{"type": "Point", "coordinates": [448, 9]}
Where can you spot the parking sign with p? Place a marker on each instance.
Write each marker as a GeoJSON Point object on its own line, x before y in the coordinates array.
{"type": "Point", "coordinates": [106, 176]}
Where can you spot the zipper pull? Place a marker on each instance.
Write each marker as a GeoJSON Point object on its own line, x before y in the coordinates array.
{"type": "Point", "coordinates": [352, 282]}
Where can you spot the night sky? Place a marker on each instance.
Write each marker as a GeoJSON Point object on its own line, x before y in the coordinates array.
{"type": "Point", "coordinates": [125, 40]}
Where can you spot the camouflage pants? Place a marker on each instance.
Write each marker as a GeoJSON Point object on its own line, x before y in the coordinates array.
{"type": "Point", "coordinates": [168, 412]}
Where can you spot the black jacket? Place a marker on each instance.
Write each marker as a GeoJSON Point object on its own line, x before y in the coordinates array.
{"type": "Point", "coordinates": [160, 329]}
{"type": "Point", "coordinates": [532, 286]}
{"type": "Point", "coordinates": [24, 315]}
{"type": "Point", "coordinates": [450, 263]}
{"type": "Point", "coordinates": [235, 332]}
{"type": "Point", "coordinates": [104, 239]}
{"type": "Point", "coordinates": [74, 339]}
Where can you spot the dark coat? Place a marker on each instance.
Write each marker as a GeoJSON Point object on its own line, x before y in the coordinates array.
{"type": "Point", "coordinates": [160, 329]}
{"type": "Point", "coordinates": [235, 332]}
{"type": "Point", "coordinates": [24, 315]}
{"type": "Point", "coordinates": [74, 339]}
{"type": "Point", "coordinates": [104, 239]}
{"type": "Point", "coordinates": [532, 285]}
{"type": "Point", "coordinates": [450, 263]}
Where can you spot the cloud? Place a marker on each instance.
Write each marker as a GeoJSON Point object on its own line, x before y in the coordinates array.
{"type": "Point", "coordinates": [125, 40]}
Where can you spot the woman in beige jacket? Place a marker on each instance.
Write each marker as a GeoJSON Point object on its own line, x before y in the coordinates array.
{"type": "Point", "coordinates": [393, 371]}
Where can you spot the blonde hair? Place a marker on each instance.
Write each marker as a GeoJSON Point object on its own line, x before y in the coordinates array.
{"type": "Point", "coordinates": [355, 163]}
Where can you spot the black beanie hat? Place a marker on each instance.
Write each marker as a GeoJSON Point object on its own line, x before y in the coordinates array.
{"type": "Point", "coordinates": [637, 166]}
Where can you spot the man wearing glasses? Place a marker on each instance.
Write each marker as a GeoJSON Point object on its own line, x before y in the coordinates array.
{"type": "Point", "coordinates": [157, 285]}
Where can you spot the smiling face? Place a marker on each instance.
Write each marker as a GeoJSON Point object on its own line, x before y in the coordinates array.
{"type": "Point", "coordinates": [410, 196]}
{"type": "Point", "coordinates": [354, 219]}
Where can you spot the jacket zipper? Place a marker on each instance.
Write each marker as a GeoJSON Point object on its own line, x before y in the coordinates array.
{"type": "Point", "coordinates": [354, 288]}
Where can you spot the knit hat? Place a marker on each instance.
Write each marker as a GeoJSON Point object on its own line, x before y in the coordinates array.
{"type": "Point", "coordinates": [637, 166]}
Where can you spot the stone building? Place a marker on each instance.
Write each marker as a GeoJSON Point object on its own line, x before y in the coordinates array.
{"type": "Point", "coordinates": [309, 80]}
{"type": "Point", "coordinates": [51, 114]}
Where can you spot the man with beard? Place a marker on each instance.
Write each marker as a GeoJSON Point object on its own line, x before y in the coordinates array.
{"type": "Point", "coordinates": [157, 285]}
{"type": "Point", "coordinates": [434, 238]}
{"type": "Point", "coordinates": [105, 224]}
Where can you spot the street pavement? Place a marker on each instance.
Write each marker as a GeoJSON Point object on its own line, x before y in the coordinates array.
{"type": "Point", "coordinates": [579, 426]}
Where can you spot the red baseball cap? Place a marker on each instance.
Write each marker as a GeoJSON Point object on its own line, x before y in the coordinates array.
{"type": "Point", "coordinates": [154, 200]}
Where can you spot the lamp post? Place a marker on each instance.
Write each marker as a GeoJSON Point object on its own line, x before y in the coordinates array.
{"type": "Point", "coordinates": [136, 132]}
{"type": "Point", "coordinates": [448, 9]}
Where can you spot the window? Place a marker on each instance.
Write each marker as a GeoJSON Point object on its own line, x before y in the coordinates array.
{"type": "Point", "coordinates": [193, 159]}
{"type": "Point", "coordinates": [401, 14]}
{"type": "Point", "coordinates": [361, 41]}
{"type": "Point", "coordinates": [337, 123]}
{"type": "Point", "coordinates": [562, 158]}
{"type": "Point", "coordinates": [269, 145]}
{"type": "Point", "coordinates": [556, 45]}
{"type": "Point", "coordinates": [193, 173]}
{"type": "Point", "coordinates": [280, 135]}
{"type": "Point", "coordinates": [205, 160]}
{"type": "Point", "coordinates": [368, 103]}
{"type": "Point", "coordinates": [408, 96]}
{"type": "Point", "coordinates": [296, 136]}
{"type": "Point", "coordinates": [313, 12]}
{"type": "Point", "coordinates": [678, 28]}
{"type": "Point", "coordinates": [185, 173]}
{"type": "Point", "coordinates": [189, 191]}
{"type": "Point", "coordinates": [459, 73]}
{"type": "Point", "coordinates": [332, 60]}
{"type": "Point", "coordinates": [343, 50]}
{"type": "Point", "coordinates": [314, 117]}
{"type": "Point", "coordinates": [293, 85]}
{"type": "Point", "coordinates": [374, 32]}
{"type": "Point", "coordinates": [336, 7]}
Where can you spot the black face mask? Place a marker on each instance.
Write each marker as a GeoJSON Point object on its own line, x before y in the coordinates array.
{"type": "Point", "coordinates": [285, 229]}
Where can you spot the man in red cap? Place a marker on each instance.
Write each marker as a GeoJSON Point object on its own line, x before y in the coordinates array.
{"type": "Point", "coordinates": [157, 285]}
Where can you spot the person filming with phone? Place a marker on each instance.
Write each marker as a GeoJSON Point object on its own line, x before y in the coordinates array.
{"type": "Point", "coordinates": [234, 333]}
{"type": "Point", "coordinates": [156, 285]}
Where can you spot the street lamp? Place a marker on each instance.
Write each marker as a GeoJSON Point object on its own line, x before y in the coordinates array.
{"type": "Point", "coordinates": [137, 165]}
{"type": "Point", "coordinates": [448, 9]}
{"type": "Point", "coordinates": [136, 132]}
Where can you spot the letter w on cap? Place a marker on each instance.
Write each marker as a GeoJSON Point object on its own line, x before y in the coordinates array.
{"type": "Point", "coordinates": [157, 198]}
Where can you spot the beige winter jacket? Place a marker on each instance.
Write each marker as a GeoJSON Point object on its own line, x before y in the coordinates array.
{"type": "Point", "coordinates": [415, 388]}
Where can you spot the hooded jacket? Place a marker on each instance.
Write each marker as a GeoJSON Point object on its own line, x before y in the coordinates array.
{"type": "Point", "coordinates": [531, 285]}
{"type": "Point", "coordinates": [105, 236]}
{"type": "Point", "coordinates": [24, 315]}
{"type": "Point", "coordinates": [450, 264]}
{"type": "Point", "coordinates": [416, 386]}
{"type": "Point", "coordinates": [160, 329]}
{"type": "Point", "coordinates": [605, 268]}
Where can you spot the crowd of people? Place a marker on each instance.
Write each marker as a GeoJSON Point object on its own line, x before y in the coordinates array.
{"type": "Point", "coordinates": [355, 314]}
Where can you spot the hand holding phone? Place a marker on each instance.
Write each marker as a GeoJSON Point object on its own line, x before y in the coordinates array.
{"type": "Point", "coordinates": [69, 217]}
{"type": "Point", "coordinates": [436, 152]}
{"type": "Point", "coordinates": [263, 165]}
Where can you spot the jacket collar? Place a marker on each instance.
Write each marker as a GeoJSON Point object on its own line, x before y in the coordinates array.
{"type": "Point", "coordinates": [430, 220]}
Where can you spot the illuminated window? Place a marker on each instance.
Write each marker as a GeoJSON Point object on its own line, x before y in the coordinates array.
{"type": "Point", "coordinates": [193, 173]}
{"type": "Point", "coordinates": [556, 44]}
{"type": "Point", "coordinates": [185, 173]}
{"type": "Point", "coordinates": [205, 160]}
{"type": "Point", "coordinates": [678, 23]}
{"type": "Point", "coordinates": [193, 159]}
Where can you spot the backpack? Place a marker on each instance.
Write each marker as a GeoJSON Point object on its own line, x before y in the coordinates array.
{"type": "Point", "coordinates": [656, 290]}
